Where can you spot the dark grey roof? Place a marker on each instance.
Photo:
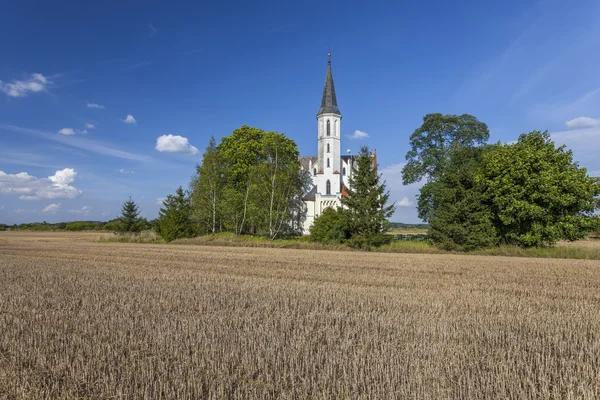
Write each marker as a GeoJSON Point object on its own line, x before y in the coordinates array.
{"type": "Point", "coordinates": [310, 196]}
{"type": "Point", "coordinates": [305, 160]}
{"type": "Point", "coordinates": [329, 101]}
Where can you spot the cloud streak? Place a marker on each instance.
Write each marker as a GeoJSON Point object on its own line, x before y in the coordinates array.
{"type": "Point", "coordinates": [94, 105]}
{"type": "Point", "coordinates": [34, 84]}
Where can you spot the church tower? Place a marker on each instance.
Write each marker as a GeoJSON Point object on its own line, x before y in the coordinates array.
{"type": "Point", "coordinates": [329, 120]}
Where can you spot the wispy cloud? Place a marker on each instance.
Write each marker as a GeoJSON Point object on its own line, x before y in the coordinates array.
{"type": "Point", "coordinates": [85, 210]}
{"type": "Point", "coordinates": [94, 105]}
{"type": "Point", "coordinates": [80, 143]}
{"type": "Point", "coordinates": [90, 126]}
{"type": "Point", "coordinates": [160, 200]}
{"type": "Point", "coordinates": [139, 65]}
{"type": "Point", "coordinates": [583, 122]}
{"type": "Point", "coordinates": [16, 88]}
{"type": "Point", "coordinates": [153, 30]}
{"type": "Point", "coordinates": [52, 208]}
{"type": "Point", "coordinates": [358, 135]}
{"type": "Point", "coordinates": [175, 144]}
{"type": "Point", "coordinates": [67, 131]}
{"type": "Point", "coordinates": [126, 171]}
{"type": "Point", "coordinates": [129, 119]}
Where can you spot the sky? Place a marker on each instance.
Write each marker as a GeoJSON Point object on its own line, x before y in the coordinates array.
{"type": "Point", "coordinates": [100, 101]}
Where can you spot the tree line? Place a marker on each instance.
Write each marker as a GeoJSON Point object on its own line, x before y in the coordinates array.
{"type": "Point", "coordinates": [476, 194]}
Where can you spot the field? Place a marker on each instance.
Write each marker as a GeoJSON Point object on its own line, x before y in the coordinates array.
{"type": "Point", "coordinates": [83, 319]}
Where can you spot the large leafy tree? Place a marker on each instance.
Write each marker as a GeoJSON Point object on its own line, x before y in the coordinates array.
{"type": "Point", "coordinates": [537, 193]}
{"type": "Point", "coordinates": [460, 219]}
{"type": "Point", "coordinates": [174, 218]}
{"type": "Point", "coordinates": [366, 203]}
{"type": "Point", "coordinates": [240, 153]}
{"type": "Point", "coordinates": [431, 147]}
{"type": "Point", "coordinates": [207, 190]}
{"type": "Point", "coordinates": [130, 220]}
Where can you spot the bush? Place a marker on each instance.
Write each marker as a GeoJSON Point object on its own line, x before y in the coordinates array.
{"type": "Point", "coordinates": [330, 227]}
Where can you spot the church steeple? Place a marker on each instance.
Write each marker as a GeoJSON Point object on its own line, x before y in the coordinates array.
{"type": "Point", "coordinates": [329, 101]}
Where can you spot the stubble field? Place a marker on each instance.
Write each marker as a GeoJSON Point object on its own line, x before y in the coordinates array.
{"type": "Point", "coordinates": [81, 319]}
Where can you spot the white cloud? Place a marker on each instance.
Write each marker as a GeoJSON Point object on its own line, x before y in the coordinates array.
{"type": "Point", "coordinates": [35, 83]}
{"type": "Point", "coordinates": [585, 144]}
{"type": "Point", "coordinates": [160, 200]}
{"type": "Point", "coordinates": [67, 131]}
{"type": "Point", "coordinates": [126, 171]}
{"type": "Point", "coordinates": [52, 208]}
{"type": "Point", "coordinates": [85, 210]}
{"type": "Point", "coordinates": [29, 187]}
{"type": "Point", "coordinates": [94, 105]}
{"type": "Point", "coordinates": [174, 144]}
{"type": "Point", "coordinates": [405, 202]}
{"type": "Point", "coordinates": [358, 135]}
{"type": "Point", "coordinates": [105, 213]}
{"type": "Point", "coordinates": [129, 119]}
{"type": "Point", "coordinates": [90, 126]}
{"type": "Point", "coordinates": [583, 122]}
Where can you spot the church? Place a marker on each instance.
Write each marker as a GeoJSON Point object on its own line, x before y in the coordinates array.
{"type": "Point", "coordinates": [330, 170]}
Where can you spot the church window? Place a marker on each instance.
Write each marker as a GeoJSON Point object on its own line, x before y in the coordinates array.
{"type": "Point", "coordinates": [335, 128]}
{"type": "Point", "coordinates": [328, 128]}
{"type": "Point", "coordinates": [328, 147]}
{"type": "Point", "coordinates": [315, 172]}
{"type": "Point", "coordinates": [328, 163]}
{"type": "Point", "coordinates": [344, 171]}
{"type": "Point", "coordinates": [328, 187]}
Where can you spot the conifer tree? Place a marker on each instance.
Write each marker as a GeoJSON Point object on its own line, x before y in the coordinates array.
{"type": "Point", "coordinates": [130, 220]}
{"type": "Point", "coordinates": [174, 218]}
{"type": "Point", "coordinates": [366, 203]}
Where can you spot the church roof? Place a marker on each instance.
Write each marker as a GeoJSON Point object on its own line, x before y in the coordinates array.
{"type": "Point", "coordinates": [310, 196]}
{"type": "Point", "coordinates": [306, 162]}
{"type": "Point", "coordinates": [329, 101]}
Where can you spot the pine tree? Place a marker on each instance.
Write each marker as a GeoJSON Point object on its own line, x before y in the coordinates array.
{"type": "Point", "coordinates": [366, 204]}
{"type": "Point", "coordinates": [130, 221]}
{"type": "Point", "coordinates": [174, 221]}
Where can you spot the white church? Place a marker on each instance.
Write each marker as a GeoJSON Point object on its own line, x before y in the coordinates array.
{"type": "Point", "coordinates": [330, 170]}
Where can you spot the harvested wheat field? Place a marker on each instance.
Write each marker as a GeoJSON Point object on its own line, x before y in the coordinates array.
{"type": "Point", "coordinates": [80, 319]}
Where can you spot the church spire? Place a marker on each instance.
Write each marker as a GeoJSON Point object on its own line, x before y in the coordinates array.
{"type": "Point", "coordinates": [329, 101]}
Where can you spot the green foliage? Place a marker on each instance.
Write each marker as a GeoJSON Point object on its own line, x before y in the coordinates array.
{"type": "Point", "coordinates": [460, 220]}
{"type": "Point", "coordinates": [82, 226]}
{"type": "Point", "coordinates": [174, 221]}
{"type": "Point", "coordinates": [537, 193]}
{"type": "Point", "coordinates": [330, 227]}
{"type": "Point", "coordinates": [3, 227]}
{"type": "Point", "coordinates": [130, 221]}
{"type": "Point", "coordinates": [249, 183]}
{"type": "Point", "coordinates": [207, 191]}
{"type": "Point", "coordinates": [366, 204]}
{"type": "Point", "coordinates": [432, 142]}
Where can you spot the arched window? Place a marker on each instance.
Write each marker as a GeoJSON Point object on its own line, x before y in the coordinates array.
{"type": "Point", "coordinates": [344, 171]}
{"type": "Point", "coordinates": [328, 128]}
{"type": "Point", "coordinates": [335, 128]}
{"type": "Point", "coordinates": [315, 172]}
{"type": "Point", "coordinates": [328, 163]}
{"type": "Point", "coordinates": [328, 187]}
{"type": "Point", "coordinates": [328, 147]}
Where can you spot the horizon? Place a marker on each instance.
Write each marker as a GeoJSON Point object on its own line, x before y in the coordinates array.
{"type": "Point", "coordinates": [100, 102]}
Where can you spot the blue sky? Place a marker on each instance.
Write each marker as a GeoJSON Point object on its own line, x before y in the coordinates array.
{"type": "Point", "coordinates": [91, 91]}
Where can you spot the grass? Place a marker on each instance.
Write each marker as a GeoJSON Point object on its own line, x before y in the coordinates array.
{"type": "Point", "coordinates": [119, 320]}
{"type": "Point", "coordinates": [584, 250]}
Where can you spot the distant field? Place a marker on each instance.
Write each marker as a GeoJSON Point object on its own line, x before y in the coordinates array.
{"type": "Point", "coordinates": [83, 319]}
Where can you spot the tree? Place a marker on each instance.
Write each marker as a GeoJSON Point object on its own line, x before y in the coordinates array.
{"type": "Point", "coordinates": [330, 227]}
{"type": "Point", "coordinates": [460, 219]}
{"type": "Point", "coordinates": [537, 193]}
{"type": "Point", "coordinates": [174, 218]}
{"type": "Point", "coordinates": [129, 221]}
{"type": "Point", "coordinates": [366, 203]}
{"type": "Point", "coordinates": [431, 145]}
{"type": "Point", "coordinates": [207, 190]}
{"type": "Point", "coordinates": [240, 152]}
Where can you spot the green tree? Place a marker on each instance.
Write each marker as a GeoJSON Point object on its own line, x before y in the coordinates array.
{"type": "Point", "coordinates": [431, 145]}
{"type": "Point", "coordinates": [460, 219]}
{"type": "Point", "coordinates": [207, 190]}
{"type": "Point", "coordinates": [330, 227]}
{"type": "Point", "coordinates": [130, 220]}
{"type": "Point", "coordinates": [240, 152]}
{"type": "Point", "coordinates": [366, 203]}
{"type": "Point", "coordinates": [174, 218]}
{"type": "Point", "coordinates": [537, 193]}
